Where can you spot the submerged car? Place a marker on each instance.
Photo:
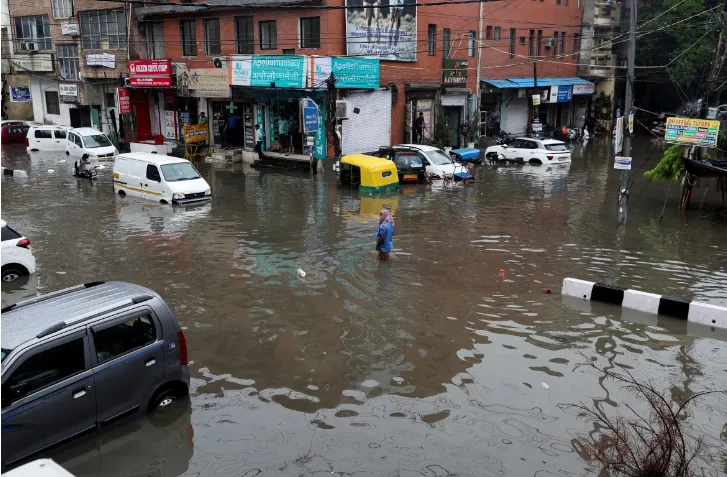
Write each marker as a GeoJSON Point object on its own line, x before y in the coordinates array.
{"type": "Point", "coordinates": [530, 150]}
{"type": "Point", "coordinates": [409, 164]}
{"type": "Point", "coordinates": [438, 164]}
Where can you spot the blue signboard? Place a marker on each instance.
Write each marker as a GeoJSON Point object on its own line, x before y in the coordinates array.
{"type": "Point", "coordinates": [284, 71]}
{"type": "Point", "coordinates": [310, 116]}
{"type": "Point", "coordinates": [357, 73]}
{"type": "Point", "coordinates": [565, 93]}
{"type": "Point", "coordinates": [20, 94]}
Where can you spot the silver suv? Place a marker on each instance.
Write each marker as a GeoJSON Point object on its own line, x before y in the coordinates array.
{"type": "Point", "coordinates": [79, 359]}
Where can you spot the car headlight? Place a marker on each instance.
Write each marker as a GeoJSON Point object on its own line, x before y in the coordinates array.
{"type": "Point", "coordinates": [177, 195]}
{"type": "Point", "coordinates": [208, 192]}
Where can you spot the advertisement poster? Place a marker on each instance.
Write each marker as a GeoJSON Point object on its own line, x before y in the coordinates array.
{"type": "Point", "coordinates": [388, 33]}
{"type": "Point", "coordinates": [619, 145]}
{"type": "Point", "coordinates": [20, 94]}
{"type": "Point", "coordinates": [170, 123]}
{"type": "Point", "coordinates": [320, 149]}
{"type": "Point", "coordinates": [124, 96]}
{"type": "Point", "coordinates": [249, 127]}
{"type": "Point", "coordinates": [454, 72]}
{"type": "Point", "coordinates": [196, 133]}
{"type": "Point", "coordinates": [622, 163]}
{"type": "Point", "coordinates": [284, 71]}
{"type": "Point", "coordinates": [205, 82]}
{"type": "Point", "coordinates": [68, 92]}
{"type": "Point", "coordinates": [359, 73]}
{"type": "Point", "coordinates": [698, 132]}
{"type": "Point", "coordinates": [154, 73]}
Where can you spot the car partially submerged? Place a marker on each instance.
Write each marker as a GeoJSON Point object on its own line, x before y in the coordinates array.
{"type": "Point", "coordinates": [530, 150]}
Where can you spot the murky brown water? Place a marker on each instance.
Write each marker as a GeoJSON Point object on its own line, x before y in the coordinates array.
{"type": "Point", "coordinates": [426, 365]}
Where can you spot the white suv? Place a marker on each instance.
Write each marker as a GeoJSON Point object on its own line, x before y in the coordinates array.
{"type": "Point", "coordinates": [530, 150]}
{"type": "Point", "coordinates": [17, 257]}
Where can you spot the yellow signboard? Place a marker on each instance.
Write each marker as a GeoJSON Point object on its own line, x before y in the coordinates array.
{"type": "Point", "coordinates": [196, 132]}
{"type": "Point", "coordinates": [699, 132]}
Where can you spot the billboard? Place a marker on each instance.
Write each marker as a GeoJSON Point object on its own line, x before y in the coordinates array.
{"type": "Point", "coordinates": [454, 72]}
{"type": "Point", "coordinates": [358, 73]}
{"type": "Point", "coordinates": [150, 73]}
{"type": "Point", "coordinates": [284, 71]}
{"type": "Point", "coordinates": [387, 33]}
{"type": "Point", "coordinates": [698, 132]}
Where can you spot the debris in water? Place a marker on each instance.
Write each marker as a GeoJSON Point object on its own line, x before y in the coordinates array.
{"type": "Point", "coordinates": [398, 380]}
{"type": "Point", "coordinates": [62, 161]}
{"type": "Point", "coordinates": [548, 292]}
{"type": "Point", "coordinates": [301, 273]}
{"type": "Point", "coordinates": [371, 383]}
{"type": "Point", "coordinates": [545, 385]}
{"type": "Point", "coordinates": [51, 171]}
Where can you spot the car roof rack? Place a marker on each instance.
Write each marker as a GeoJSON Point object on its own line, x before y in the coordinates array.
{"type": "Point", "coordinates": [93, 314]}
{"type": "Point", "coordinates": [47, 296]}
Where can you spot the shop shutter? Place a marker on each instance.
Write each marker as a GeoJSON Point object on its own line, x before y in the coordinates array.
{"type": "Point", "coordinates": [371, 127]}
{"type": "Point", "coordinates": [515, 116]}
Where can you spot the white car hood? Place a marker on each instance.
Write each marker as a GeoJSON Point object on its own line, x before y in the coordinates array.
{"type": "Point", "coordinates": [101, 151]}
{"type": "Point", "coordinates": [441, 170]}
{"type": "Point", "coordinates": [189, 187]}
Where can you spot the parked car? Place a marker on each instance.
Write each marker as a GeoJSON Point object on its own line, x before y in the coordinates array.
{"type": "Point", "coordinates": [530, 150]}
{"type": "Point", "coordinates": [14, 133]}
{"type": "Point", "coordinates": [90, 141]}
{"type": "Point", "coordinates": [438, 164]}
{"type": "Point", "coordinates": [46, 138]}
{"type": "Point", "coordinates": [80, 359]}
{"type": "Point", "coordinates": [17, 256]}
{"type": "Point", "coordinates": [409, 164]}
{"type": "Point", "coordinates": [157, 177]}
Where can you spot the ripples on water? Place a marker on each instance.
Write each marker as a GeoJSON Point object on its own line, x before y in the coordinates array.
{"type": "Point", "coordinates": [430, 364]}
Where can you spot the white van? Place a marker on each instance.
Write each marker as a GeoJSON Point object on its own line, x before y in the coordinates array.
{"type": "Point", "coordinates": [90, 141]}
{"type": "Point", "coordinates": [46, 138]}
{"type": "Point", "coordinates": [156, 177]}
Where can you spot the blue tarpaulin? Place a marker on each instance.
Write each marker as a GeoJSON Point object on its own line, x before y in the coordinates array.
{"type": "Point", "coordinates": [529, 83]}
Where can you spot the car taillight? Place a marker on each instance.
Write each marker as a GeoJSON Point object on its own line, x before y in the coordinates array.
{"type": "Point", "coordinates": [550, 158]}
{"type": "Point", "coordinates": [27, 143]}
{"type": "Point", "coordinates": [182, 348]}
{"type": "Point", "coordinates": [25, 243]}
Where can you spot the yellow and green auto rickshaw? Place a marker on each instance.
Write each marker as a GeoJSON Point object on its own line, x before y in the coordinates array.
{"type": "Point", "coordinates": [370, 174]}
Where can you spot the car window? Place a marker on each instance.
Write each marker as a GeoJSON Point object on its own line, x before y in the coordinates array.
{"type": "Point", "coordinates": [438, 158]}
{"type": "Point", "coordinates": [97, 140]}
{"type": "Point", "coordinates": [77, 140]}
{"type": "Point", "coordinates": [408, 160]}
{"type": "Point", "coordinates": [45, 368]}
{"type": "Point", "coordinates": [59, 133]}
{"type": "Point", "coordinates": [43, 134]}
{"type": "Point", "coordinates": [152, 173]}
{"type": "Point", "coordinates": [556, 147]}
{"type": "Point", "coordinates": [9, 234]}
{"type": "Point", "coordinates": [515, 143]}
{"type": "Point", "coordinates": [525, 144]}
{"type": "Point", "coordinates": [181, 171]}
{"type": "Point", "coordinates": [123, 338]}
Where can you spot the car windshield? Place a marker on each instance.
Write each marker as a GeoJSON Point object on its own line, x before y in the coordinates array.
{"type": "Point", "coordinates": [5, 352]}
{"type": "Point", "coordinates": [438, 158]}
{"type": "Point", "coordinates": [181, 171]}
{"type": "Point", "coordinates": [99, 140]}
{"type": "Point", "coordinates": [408, 161]}
{"type": "Point", "coordinates": [556, 147]}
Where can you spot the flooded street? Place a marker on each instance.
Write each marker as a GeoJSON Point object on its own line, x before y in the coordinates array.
{"type": "Point", "coordinates": [427, 365]}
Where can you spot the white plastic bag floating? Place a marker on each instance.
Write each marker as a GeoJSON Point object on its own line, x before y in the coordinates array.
{"type": "Point", "coordinates": [301, 273]}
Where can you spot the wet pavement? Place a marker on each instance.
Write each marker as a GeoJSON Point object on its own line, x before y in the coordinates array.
{"type": "Point", "coordinates": [427, 365]}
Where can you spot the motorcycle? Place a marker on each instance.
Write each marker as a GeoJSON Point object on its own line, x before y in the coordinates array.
{"type": "Point", "coordinates": [501, 138]}
{"type": "Point", "coordinates": [88, 173]}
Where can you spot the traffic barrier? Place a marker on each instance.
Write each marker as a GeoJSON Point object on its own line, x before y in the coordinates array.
{"type": "Point", "coordinates": [711, 315]}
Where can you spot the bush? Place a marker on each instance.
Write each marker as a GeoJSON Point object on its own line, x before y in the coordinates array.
{"type": "Point", "coordinates": [671, 166]}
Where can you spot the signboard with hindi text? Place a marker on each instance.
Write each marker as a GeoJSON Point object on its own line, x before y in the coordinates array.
{"type": "Point", "coordinates": [280, 71]}
{"type": "Point", "coordinates": [697, 132]}
{"type": "Point", "coordinates": [196, 132]}
{"type": "Point", "coordinates": [150, 73]}
{"type": "Point", "coordinates": [359, 73]}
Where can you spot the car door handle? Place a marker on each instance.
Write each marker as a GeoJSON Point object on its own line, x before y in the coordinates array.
{"type": "Point", "coordinates": [79, 392]}
{"type": "Point", "coordinates": [146, 185]}
{"type": "Point", "coordinates": [150, 361]}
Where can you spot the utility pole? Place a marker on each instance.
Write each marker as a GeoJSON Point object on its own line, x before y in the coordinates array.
{"type": "Point", "coordinates": [631, 59]}
{"type": "Point", "coordinates": [331, 119]}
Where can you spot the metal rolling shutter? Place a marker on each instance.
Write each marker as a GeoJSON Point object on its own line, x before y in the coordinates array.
{"type": "Point", "coordinates": [516, 116]}
{"type": "Point", "coordinates": [371, 127]}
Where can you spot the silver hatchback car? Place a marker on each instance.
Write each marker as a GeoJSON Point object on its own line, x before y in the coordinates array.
{"type": "Point", "coordinates": [80, 359]}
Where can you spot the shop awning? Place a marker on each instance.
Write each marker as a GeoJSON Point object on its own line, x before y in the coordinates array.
{"type": "Point", "coordinates": [529, 83]}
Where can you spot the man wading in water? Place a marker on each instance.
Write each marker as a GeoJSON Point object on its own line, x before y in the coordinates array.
{"type": "Point", "coordinates": [384, 242]}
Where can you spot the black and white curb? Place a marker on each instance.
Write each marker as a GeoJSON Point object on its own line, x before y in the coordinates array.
{"type": "Point", "coordinates": [711, 315]}
{"type": "Point", "coordinates": [16, 173]}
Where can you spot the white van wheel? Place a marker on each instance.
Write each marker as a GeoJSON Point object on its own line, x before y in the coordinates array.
{"type": "Point", "coordinates": [122, 193]}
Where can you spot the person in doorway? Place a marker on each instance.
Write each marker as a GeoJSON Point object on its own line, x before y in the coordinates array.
{"type": "Point", "coordinates": [464, 133]}
{"type": "Point", "coordinates": [203, 118]}
{"type": "Point", "coordinates": [385, 234]}
{"type": "Point", "coordinates": [419, 128]}
{"type": "Point", "coordinates": [495, 121]}
{"type": "Point", "coordinates": [232, 121]}
{"type": "Point", "coordinates": [283, 134]}
{"type": "Point", "coordinates": [258, 141]}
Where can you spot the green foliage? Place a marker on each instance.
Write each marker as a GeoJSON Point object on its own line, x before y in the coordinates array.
{"type": "Point", "coordinates": [602, 106]}
{"type": "Point", "coordinates": [722, 143]}
{"type": "Point", "coordinates": [670, 168]}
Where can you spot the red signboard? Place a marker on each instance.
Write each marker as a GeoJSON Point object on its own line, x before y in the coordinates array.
{"type": "Point", "coordinates": [124, 100]}
{"type": "Point", "coordinates": [150, 73]}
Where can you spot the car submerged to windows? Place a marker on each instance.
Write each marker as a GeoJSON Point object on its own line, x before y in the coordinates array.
{"type": "Point", "coordinates": [530, 150]}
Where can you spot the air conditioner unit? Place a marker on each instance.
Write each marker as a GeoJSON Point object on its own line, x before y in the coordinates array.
{"type": "Point", "coordinates": [29, 46]}
{"type": "Point", "coordinates": [342, 109]}
{"type": "Point", "coordinates": [551, 42]}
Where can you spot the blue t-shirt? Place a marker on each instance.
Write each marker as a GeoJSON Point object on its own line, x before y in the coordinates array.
{"type": "Point", "coordinates": [232, 121]}
{"type": "Point", "coordinates": [386, 230]}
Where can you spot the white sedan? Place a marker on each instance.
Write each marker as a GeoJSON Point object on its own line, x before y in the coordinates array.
{"type": "Point", "coordinates": [17, 256]}
{"type": "Point", "coordinates": [530, 150]}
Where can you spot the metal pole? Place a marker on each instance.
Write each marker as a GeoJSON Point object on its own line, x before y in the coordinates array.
{"type": "Point", "coordinates": [623, 189]}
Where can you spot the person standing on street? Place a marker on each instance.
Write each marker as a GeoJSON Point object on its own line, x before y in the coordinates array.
{"type": "Point", "coordinates": [385, 234]}
{"type": "Point", "coordinates": [464, 132]}
{"type": "Point", "coordinates": [259, 141]}
{"type": "Point", "coordinates": [419, 128]}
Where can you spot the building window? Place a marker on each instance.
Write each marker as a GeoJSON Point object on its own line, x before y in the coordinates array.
{"type": "Point", "coordinates": [575, 45]}
{"type": "Point", "coordinates": [188, 32]}
{"type": "Point", "coordinates": [562, 43]}
{"type": "Point", "coordinates": [532, 50]}
{"type": "Point", "coordinates": [268, 35]}
{"type": "Point", "coordinates": [110, 99]}
{"type": "Point", "coordinates": [513, 35]}
{"type": "Point", "coordinates": [445, 42]}
{"type": "Point", "coordinates": [52, 102]}
{"type": "Point", "coordinates": [471, 43]}
{"type": "Point", "coordinates": [488, 33]}
{"type": "Point", "coordinates": [32, 33]}
{"type": "Point", "coordinates": [155, 34]}
{"type": "Point", "coordinates": [68, 62]}
{"type": "Point", "coordinates": [212, 45]}
{"type": "Point", "coordinates": [310, 32]}
{"type": "Point", "coordinates": [554, 46]}
{"type": "Point", "coordinates": [432, 39]}
{"type": "Point", "coordinates": [245, 36]}
{"type": "Point", "coordinates": [62, 9]}
{"type": "Point", "coordinates": [498, 33]}
{"type": "Point", "coordinates": [523, 40]}
{"type": "Point", "coordinates": [540, 42]}
{"type": "Point", "coordinates": [103, 30]}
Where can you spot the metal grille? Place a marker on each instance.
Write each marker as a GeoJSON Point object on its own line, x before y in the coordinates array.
{"type": "Point", "coordinates": [68, 62]}
{"type": "Point", "coordinates": [103, 30]}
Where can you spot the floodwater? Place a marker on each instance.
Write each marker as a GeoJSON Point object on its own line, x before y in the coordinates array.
{"type": "Point", "coordinates": [430, 364]}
